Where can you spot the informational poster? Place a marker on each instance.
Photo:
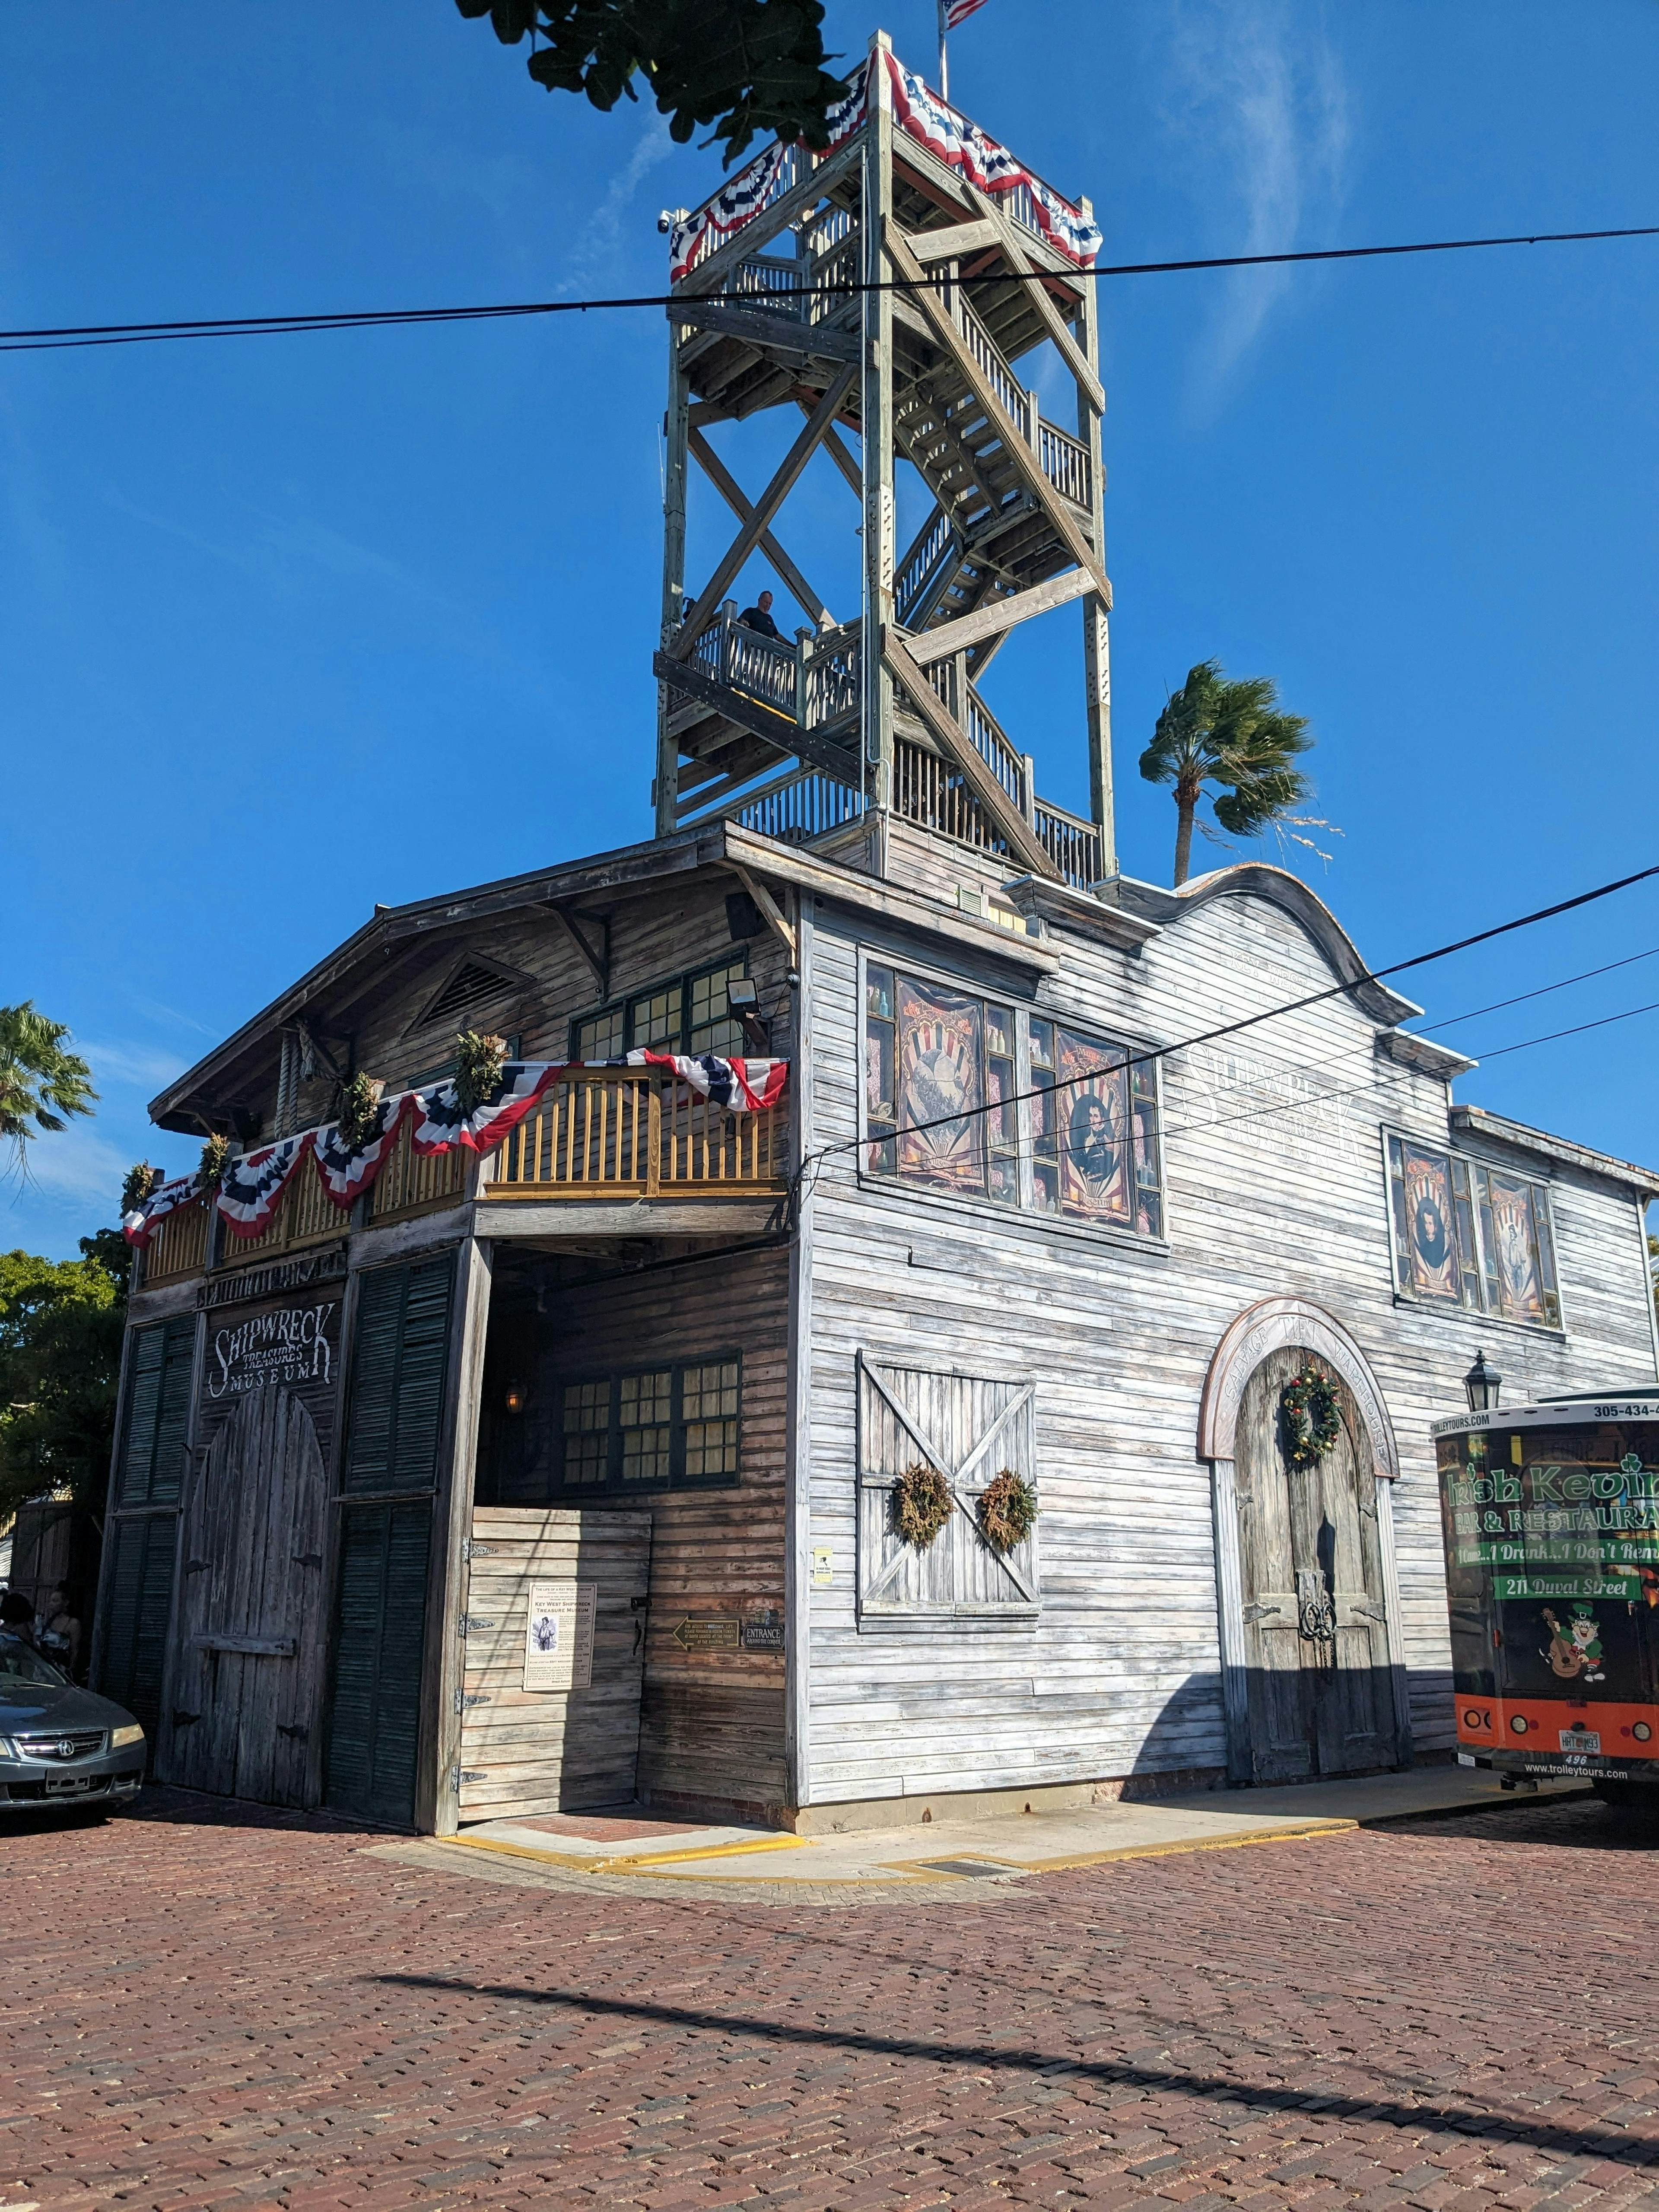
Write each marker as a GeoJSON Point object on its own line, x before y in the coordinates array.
{"type": "Point", "coordinates": [558, 1636]}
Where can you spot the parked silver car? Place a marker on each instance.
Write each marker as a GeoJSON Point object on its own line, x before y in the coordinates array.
{"type": "Point", "coordinates": [60, 1744]}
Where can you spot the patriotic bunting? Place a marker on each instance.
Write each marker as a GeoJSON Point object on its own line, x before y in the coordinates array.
{"type": "Point", "coordinates": [254, 1183]}
{"type": "Point", "coordinates": [959, 143]}
{"type": "Point", "coordinates": [346, 1173]}
{"type": "Point", "coordinates": [438, 1124]}
{"type": "Point", "coordinates": [139, 1226]}
{"type": "Point", "coordinates": [962, 146]}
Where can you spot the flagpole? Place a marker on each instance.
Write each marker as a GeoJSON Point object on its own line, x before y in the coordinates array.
{"type": "Point", "coordinates": [943, 58]}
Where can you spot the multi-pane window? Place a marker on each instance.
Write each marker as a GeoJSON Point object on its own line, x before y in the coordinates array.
{"type": "Point", "coordinates": [653, 1428]}
{"type": "Point", "coordinates": [686, 1013]}
{"type": "Point", "coordinates": [1472, 1236]}
{"type": "Point", "coordinates": [942, 1088]}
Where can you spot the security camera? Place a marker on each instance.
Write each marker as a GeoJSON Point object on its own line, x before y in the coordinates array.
{"type": "Point", "coordinates": [669, 217]}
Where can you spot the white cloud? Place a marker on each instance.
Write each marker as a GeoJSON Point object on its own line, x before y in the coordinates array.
{"type": "Point", "coordinates": [1258, 104]}
{"type": "Point", "coordinates": [603, 231]}
{"type": "Point", "coordinates": [138, 1064]}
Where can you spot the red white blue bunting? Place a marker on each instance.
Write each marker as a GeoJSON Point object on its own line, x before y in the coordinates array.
{"type": "Point", "coordinates": [141, 1224]}
{"type": "Point", "coordinates": [254, 1184]}
{"type": "Point", "coordinates": [962, 146]}
{"type": "Point", "coordinates": [345, 1173]}
{"type": "Point", "coordinates": [752, 189]}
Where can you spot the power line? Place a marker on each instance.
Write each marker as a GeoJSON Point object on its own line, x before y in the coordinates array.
{"type": "Point", "coordinates": [71, 336]}
{"type": "Point", "coordinates": [814, 1161]}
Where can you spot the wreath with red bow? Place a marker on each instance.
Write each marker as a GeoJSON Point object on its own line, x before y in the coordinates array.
{"type": "Point", "coordinates": [1313, 1421]}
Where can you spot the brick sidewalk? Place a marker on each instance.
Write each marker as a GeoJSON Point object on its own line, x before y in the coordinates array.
{"type": "Point", "coordinates": [208, 2009]}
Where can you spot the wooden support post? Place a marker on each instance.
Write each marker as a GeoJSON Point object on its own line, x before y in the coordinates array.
{"type": "Point", "coordinates": [961, 751]}
{"type": "Point", "coordinates": [673, 578]}
{"type": "Point", "coordinates": [1096, 637]}
{"type": "Point", "coordinates": [876, 416]}
{"type": "Point", "coordinates": [771, 913]}
{"type": "Point", "coordinates": [435, 1797]}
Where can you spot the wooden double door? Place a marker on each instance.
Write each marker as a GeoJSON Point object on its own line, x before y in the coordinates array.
{"type": "Point", "coordinates": [1322, 1696]}
{"type": "Point", "coordinates": [247, 1688]}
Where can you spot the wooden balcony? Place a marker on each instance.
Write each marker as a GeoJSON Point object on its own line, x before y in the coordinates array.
{"type": "Point", "coordinates": [178, 1247]}
{"type": "Point", "coordinates": [616, 1133]}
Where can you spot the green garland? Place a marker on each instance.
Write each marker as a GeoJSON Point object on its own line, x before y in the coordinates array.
{"type": "Point", "coordinates": [1313, 1421]}
{"type": "Point", "coordinates": [360, 1101]}
{"type": "Point", "coordinates": [140, 1181]}
{"type": "Point", "coordinates": [1008, 1510]}
{"type": "Point", "coordinates": [921, 1505]}
{"type": "Point", "coordinates": [215, 1160]}
{"type": "Point", "coordinates": [479, 1060]}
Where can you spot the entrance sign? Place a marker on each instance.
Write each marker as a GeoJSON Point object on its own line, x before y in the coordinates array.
{"type": "Point", "coordinates": [558, 1636]}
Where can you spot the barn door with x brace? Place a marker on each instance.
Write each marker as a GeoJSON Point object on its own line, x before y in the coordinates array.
{"type": "Point", "coordinates": [970, 1428]}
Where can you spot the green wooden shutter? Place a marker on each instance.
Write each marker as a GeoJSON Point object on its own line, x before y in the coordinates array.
{"type": "Point", "coordinates": [374, 1726]}
{"type": "Point", "coordinates": [137, 1603]}
{"type": "Point", "coordinates": [399, 1363]}
{"type": "Point", "coordinates": [156, 1426]}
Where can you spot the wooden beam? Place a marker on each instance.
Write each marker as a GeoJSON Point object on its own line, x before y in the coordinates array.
{"type": "Point", "coordinates": [928, 646]}
{"type": "Point", "coordinates": [1020, 455]}
{"type": "Point", "coordinates": [761, 514]}
{"type": "Point", "coordinates": [771, 913]}
{"type": "Point", "coordinates": [1071, 352]}
{"type": "Point", "coordinates": [948, 244]}
{"type": "Point", "coordinates": [790, 577]}
{"type": "Point", "coordinates": [600, 962]}
{"type": "Point", "coordinates": [961, 751]}
{"type": "Point", "coordinates": [765, 327]}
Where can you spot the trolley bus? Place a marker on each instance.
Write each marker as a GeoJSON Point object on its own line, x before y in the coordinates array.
{"type": "Point", "coordinates": [1551, 1517]}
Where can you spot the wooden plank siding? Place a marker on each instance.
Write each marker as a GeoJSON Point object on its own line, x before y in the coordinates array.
{"type": "Point", "coordinates": [712, 1722]}
{"type": "Point", "coordinates": [1120, 1674]}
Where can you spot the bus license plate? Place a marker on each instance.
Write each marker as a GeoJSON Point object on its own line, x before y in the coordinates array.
{"type": "Point", "coordinates": [1577, 1739]}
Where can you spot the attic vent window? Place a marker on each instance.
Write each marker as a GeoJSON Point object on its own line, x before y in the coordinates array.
{"type": "Point", "coordinates": [471, 985]}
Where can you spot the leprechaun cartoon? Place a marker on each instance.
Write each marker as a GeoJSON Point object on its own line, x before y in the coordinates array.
{"type": "Point", "coordinates": [1575, 1649]}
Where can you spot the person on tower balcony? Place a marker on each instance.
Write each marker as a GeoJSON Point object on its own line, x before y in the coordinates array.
{"type": "Point", "coordinates": [759, 616]}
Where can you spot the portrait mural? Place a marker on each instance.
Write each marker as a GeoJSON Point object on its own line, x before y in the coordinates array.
{"type": "Point", "coordinates": [1094, 1113]}
{"type": "Point", "coordinates": [1512, 1254]}
{"type": "Point", "coordinates": [939, 1081]}
{"type": "Point", "coordinates": [1430, 1224]}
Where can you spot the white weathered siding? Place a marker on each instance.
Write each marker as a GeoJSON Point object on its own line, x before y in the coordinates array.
{"type": "Point", "coordinates": [1274, 1183]}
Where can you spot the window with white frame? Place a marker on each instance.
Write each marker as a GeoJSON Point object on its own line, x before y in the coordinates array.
{"type": "Point", "coordinates": [1469, 1234]}
{"type": "Point", "coordinates": [985, 1099]}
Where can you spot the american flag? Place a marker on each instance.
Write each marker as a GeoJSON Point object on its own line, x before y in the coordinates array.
{"type": "Point", "coordinates": [958, 11]}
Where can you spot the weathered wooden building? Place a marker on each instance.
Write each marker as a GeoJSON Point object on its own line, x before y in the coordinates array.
{"type": "Point", "coordinates": [566, 1470]}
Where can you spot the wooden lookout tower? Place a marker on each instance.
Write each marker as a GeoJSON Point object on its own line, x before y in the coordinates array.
{"type": "Point", "coordinates": [972, 264]}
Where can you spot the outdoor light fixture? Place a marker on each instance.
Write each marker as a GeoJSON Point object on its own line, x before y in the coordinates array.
{"type": "Point", "coordinates": [514, 1398]}
{"type": "Point", "coordinates": [743, 993]}
{"type": "Point", "coordinates": [1482, 1384]}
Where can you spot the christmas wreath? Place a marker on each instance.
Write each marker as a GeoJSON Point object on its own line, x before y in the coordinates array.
{"type": "Point", "coordinates": [1008, 1510]}
{"type": "Point", "coordinates": [921, 1505]}
{"type": "Point", "coordinates": [1312, 1420]}
{"type": "Point", "coordinates": [479, 1060]}
{"type": "Point", "coordinates": [359, 1107]}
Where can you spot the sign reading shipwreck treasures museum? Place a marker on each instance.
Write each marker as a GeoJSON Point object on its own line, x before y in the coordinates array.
{"type": "Point", "coordinates": [291, 1344]}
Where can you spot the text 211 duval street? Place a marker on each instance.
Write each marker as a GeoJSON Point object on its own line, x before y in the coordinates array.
{"type": "Point", "coordinates": [1551, 1515]}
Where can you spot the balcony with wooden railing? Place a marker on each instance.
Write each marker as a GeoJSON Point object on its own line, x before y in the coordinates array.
{"type": "Point", "coordinates": [178, 1247]}
{"type": "Point", "coordinates": [626, 1134]}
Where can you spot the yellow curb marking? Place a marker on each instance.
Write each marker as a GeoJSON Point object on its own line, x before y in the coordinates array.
{"type": "Point", "coordinates": [578, 1864]}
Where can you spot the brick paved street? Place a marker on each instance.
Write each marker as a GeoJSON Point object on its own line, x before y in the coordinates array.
{"type": "Point", "coordinates": [205, 2008]}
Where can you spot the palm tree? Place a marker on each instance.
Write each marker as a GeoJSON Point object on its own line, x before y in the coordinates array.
{"type": "Point", "coordinates": [1231, 734]}
{"type": "Point", "coordinates": [40, 1082]}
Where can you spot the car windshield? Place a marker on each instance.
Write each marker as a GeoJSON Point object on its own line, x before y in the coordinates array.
{"type": "Point", "coordinates": [21, 1663]}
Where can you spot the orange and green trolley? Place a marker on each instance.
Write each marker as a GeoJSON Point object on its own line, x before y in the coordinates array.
{"type": "Point", "coordinates": [1551, 1517]}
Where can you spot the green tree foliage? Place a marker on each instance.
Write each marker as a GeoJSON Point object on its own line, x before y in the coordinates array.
{"type": "Point", "coordinates": [60, 1360]}
{"type": "Point", "coordinates": [742, 66]}
{"type": "Point", "coordinates": [1233, 736]}
{"type": "Point", "coordinates": [40, 1082]}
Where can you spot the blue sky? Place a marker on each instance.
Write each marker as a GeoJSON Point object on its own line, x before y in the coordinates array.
{"type": "Point", "coordinates": [291, 626]}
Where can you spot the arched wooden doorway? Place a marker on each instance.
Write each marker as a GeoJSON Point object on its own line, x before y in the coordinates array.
{"type": "Point", "coordinates": [1312, 1666]}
